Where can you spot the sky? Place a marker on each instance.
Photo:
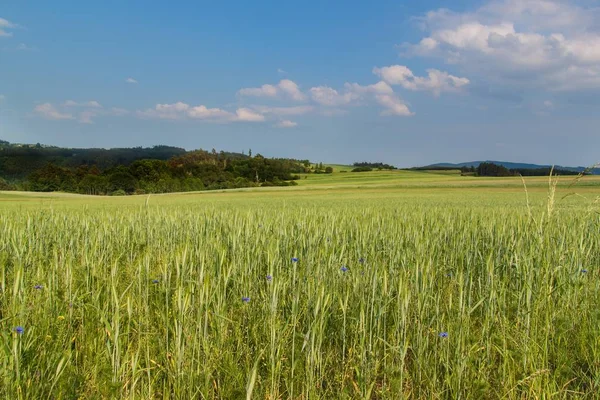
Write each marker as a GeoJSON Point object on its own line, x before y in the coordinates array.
{"type": "Point", "coordinates": [403, 82]}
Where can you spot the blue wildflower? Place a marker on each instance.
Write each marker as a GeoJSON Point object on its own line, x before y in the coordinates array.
{"type": "Point", "coordinates": [246, 299]}
{"type": "Point", "coordinates": [155, 281]}
{"type": "Point", "coordinates": [19, 330]}
{"type": "Point", "coordinates": [269, 278]}
{"type": "Point", "coordinates": [584, 271]}
{"type": "Point", "coordinates": [443, 334]}
{"type": "Point", "coordinates": [361, 260]}
{"type": "Point", "coordinates": [38, 287]}
{"type": "Point", "coordinates": [294, 259]}
{"type": "Point", "coordinates": [344, 269]}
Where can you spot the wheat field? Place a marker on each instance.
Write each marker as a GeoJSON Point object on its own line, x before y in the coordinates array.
{"type": "Point", "coordinates": [381, 293]}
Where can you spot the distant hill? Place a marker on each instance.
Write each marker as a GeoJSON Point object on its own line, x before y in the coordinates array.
{"type": "Point", "coordinates": [509, 165]}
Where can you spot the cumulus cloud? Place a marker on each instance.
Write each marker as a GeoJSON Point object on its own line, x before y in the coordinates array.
{"type": "Point", "coordinates": [245, 114]}
{"type": "Point", "coordinates": [330, 101]}
{"type": "Point", "coordinates": [285, 111]}
{"type": "Point", "coordinates": [91, 103]}
{"type": "Point", "coordinates": [380, 87]}
{"type": "Point", "coordinates": [181, 111]}
{"type": "Point", "coordinates": [394, 105]}
{"type": "Point", "coordinates": [327, 96]}
{"type": "Point", "coordinates": [83, 112]}
{"type": "Point", "coordinates": [285, 89]}
{"type": "Point", "coordinates": [48, 111]}
{"type": "Point", "coordinates": [286, 124]}
{"type": "Point", "coordinates": [543, 43]}
{"type": "Point", "coordinates": [436, 81]}
{"type": "Point", "coordinates": [131, 80]}
{"type": "Point", "coordinates": [5, 25]}
{"type": "Point", "coordinates": [354, 94]}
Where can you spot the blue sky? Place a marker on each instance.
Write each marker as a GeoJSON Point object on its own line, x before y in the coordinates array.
{"type": "Point", "coordinates": [407, 83]}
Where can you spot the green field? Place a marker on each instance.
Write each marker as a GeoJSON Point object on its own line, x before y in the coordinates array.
{"type": "Point", "coordinates": [407, 285]}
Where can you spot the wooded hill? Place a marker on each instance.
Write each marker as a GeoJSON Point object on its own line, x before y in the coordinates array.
{"type": "Point", "coordinates": [158, 169]}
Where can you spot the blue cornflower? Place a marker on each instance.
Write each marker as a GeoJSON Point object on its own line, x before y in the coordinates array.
{"type": "Point", "coordinates": [246, 299]}
{"type": "Point", "coordinates": [344, 269]}
{"type": "Point", "coordinates": [361, 260]}
{"type": "Point", "coordinates": [294, 259]}
{"type": "Point", "coordinates": [269, 278]}
{"type": "Point", "coordinates": [584, 271]}
{"type": "Point", "coordinates": [449, 274]}
{"type": "Point", "coordinates": [155, 281]}
{"type": "Point", "coordinates": [443, 334]}
{"type": "Point", "coordinates": [19, 330]}
{"type": "Point", "coordinates": [38, 287]}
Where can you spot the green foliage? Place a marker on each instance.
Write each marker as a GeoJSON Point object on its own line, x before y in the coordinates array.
{"type": "Point", "coordinates": [374, 165]}
{"type": "Point", "coordinates": [491, 169]}
{"type": "Point", "coordinates": [19, 161]}
{"type": "Point", "coordinates": [362, 169]}
{"type": "Point", "coordinates": [185, 171]}
{"type": "Point", "coordinates": [5, 185]}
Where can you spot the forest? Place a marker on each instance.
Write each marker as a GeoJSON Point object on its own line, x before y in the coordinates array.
{"type": "Point", "coordinates": [122, 171]}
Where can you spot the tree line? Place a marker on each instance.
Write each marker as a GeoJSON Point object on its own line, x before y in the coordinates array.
{"type": "Point", "coordinates": [373, 165]}
{"type": "Point", "coordinates": [491, 169]}
{"type": "Point", "coordinates": [160, 169]}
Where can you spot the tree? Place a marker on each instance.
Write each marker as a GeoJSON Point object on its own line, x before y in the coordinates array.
{"type": "Point", "coordinates": [491, 169]}
{"type": "Point", "coordinates": [121, 179]}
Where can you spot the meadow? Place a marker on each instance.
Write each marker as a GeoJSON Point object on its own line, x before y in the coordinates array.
{"type": "Point", "coordinates": [381, 285]}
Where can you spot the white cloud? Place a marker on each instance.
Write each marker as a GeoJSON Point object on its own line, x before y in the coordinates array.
{"type": "Point", "coordinates": [393, 105]}
{"type": "Point", "coordinates": [263, 91]}
{"type": "Point", "coordinates": [354, 94]}
{"type": "Point", "coordinates": [380, 87]}
{"type": "Point", "coordinates": [281, 71]}
{"type": "Point", "coordinates": [550, 44]}
{"type": "Point", "coordinates": [291, 89]}
{"type": "Point", "coordinates": [286, 124]}
{"type": "Point", "coordinates": [285, 88]}
{"type": "Point", "coordinates": [4, 25]}
{"type": "Point", "coordinates": [91, 103]}
{"type": "Point", "coordinates": [284, 111]}
{"type": "Point", "coordinates": [205, 113]}
{"type": "Point", "coordinates": [181, 111]}
{"type": "Point", "coordinates": [435, 82]}
{"type": "Point", "coordinates": [245, 114]}
{"type": "Point", "coordinates": [48, 111]}
{"type": "Point", "coordinates": [83, 112]}
{"type": "Point", "coordinates": [327, 96]}
{"type": "Point", "coordinates": [131, 80]}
